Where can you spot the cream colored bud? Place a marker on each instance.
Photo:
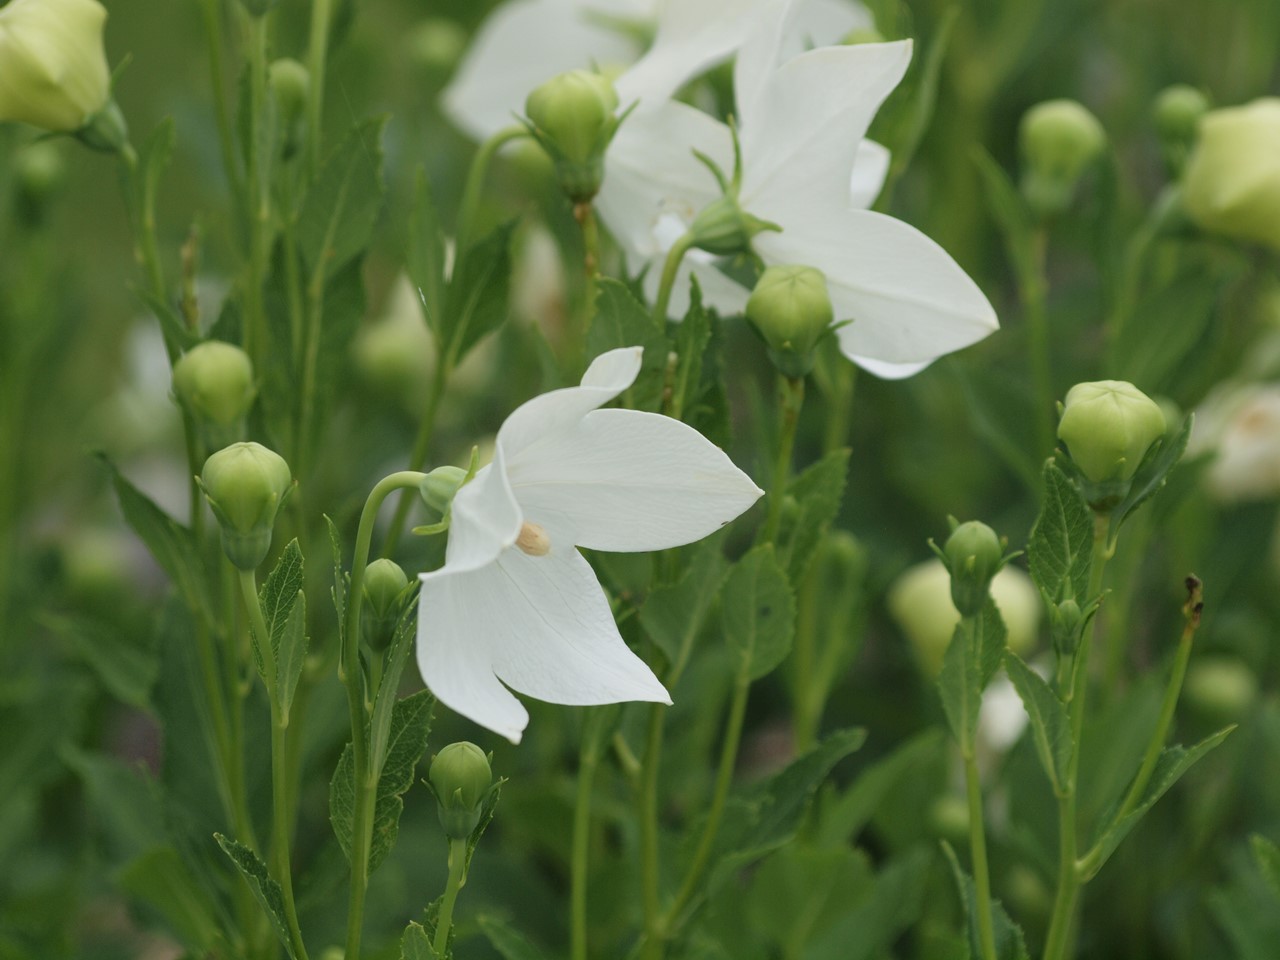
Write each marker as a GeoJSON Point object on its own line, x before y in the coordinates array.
{"type": "Point", "coordinates": [53, 69]}
{"type": "Point", "coordinates": [1231, 184]}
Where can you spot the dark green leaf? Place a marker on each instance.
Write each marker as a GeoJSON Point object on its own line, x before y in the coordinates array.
{"type": "Point", "coordinates": [758, 612]}
{"type": "Point", "coordinates": [339, 578]}
{"type": "Point", "coordinates": [291, 654]}
{"type": "Point", "coordinates": [1050, 725]}
{"type": "Point", "coordinates": [970, 661]}
{"type": "Point", "coordinates": [1062, 539]}
{"type": "Point", "coordinates": [622, 321]}
{"type": "Point", "coordinates": [674, 614]}
{"type": "Point", "coordinates": [280, 591]}
{"type": "Point", "coordinates": [868, 931]}
{"type": "Point", "coordinates": [425, 256]}
{"type": "Point", "coordinates": [1267, 855]}
{"type": "Point", "coordinates": [265, 890]}
{"type": "Point", "coordinates": [487, 810]}
{"type": "Point", "coordinates": [1153, 472]}
{"type": "Point", "coordinates": [1009, 941]}
{"type": "Point", "coordinates": [817, 493]}
{"type": "Point", "coordinates": [693, 334]}
{"type": "Point", "coordinates": [507, 940]}
{"type": "Point", "coordinates": [126, 662]}
{"type": "Point", "coordinates": [1010, 213]}
{"type": "Point", "coordinates": [416, 945]}
{"type": "Point", "coordinates": [477, 300]}
{"type": "Point", "coordinates": [126, 802]}
{"type": "Point", "coordinates": [337, 217]}
{"type": "Point", "coordinates": [161, 879]}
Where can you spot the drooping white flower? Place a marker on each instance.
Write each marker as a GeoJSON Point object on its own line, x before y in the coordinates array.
{"type": "Point", "coordinates": [524, 42]}
{"type": "Point", "coordinates": [515, 602]}
{"type": "Point", "coordinates": [807, 168]}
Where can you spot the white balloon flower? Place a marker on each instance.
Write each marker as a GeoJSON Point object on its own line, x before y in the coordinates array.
{"type": "Point", "coordinates": [515, 602]}
{"type": "Point", "coordinates": [806, 168]}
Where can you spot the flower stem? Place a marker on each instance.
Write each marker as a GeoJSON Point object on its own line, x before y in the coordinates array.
{"type": "Point", "coordinates": [258, 214]}
{"type": "Point", "coordinates": [1034, 291]}
{"type": "Point", "coordinates": [978, 853]}
{"type": "Point", "coordinates": [457, 878]}
{"type": "Point", "coordinates": [648, 810]}
{"type": "Point", "coordinates": [473, 191]}
{"type": "Point", "coordinates": [317, 51]}
{"type": "Point", "coordinates": [670, 269]}
{"type": "Point", "coordinates": [579, 858]}
{"type": "Point", "coordinates": [791, 399]}
{"type": "Point", "coordinates": [584, 214]}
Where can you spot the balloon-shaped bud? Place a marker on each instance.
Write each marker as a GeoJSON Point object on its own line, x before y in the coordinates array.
{"type": "Point", "coordinates": [1059, 139]}
{"type": "Point", "coordinates": [791, 309]}
{"type": "Point", "coordinates": [461, 780]}
{"type": "Point", "coordinates": [1231, 184]}
{"type": "Point", "coordinates": [53, 69]}
{"type": "Point", "coordinates": [574, 116]}
{"type": "Point", "coordinates": [973, 555]}
{"type": "Point", "coordinates": [1108, 426]}
{"type": "Point", "coordinates": [214, 383]}
{"type": "Point", "coordinates": [245, 484]}
{"type": "Point", "coordinates": [384, 594]}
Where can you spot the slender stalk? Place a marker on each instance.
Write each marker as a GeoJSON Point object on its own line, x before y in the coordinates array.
{"type": "Point", "coordinates": [840, 406]}
{"type": "Point", "coordinates": [1064, 904]}
{"type": "Point", "coordinates": [670, 269]}
{"type": "Point", "coordinates": [791, 397]}
{"type": "Point", "coordinates": [280, 840]}
{"type": "Point", "coordinates": [978, 853]}
{"type": "Point", "coordinates": [317, 52]}
{"type": "Point", "coordinates": [457, 879]}
{"type": "Point", "coordinates": [473, 191]}
{"type": "Point", "coordinates": [584, 214]}
{"type": "Point", "coordinates": [648, 810]}
{"type": "Point", "coordinates": [221, 109]}
{"type": "Point", "coordinates": [1034, 292]}
{"type": "Point", "coordinates": [258, 214]}
{"type": "Point", "coordinates": [350, 674]}
{"type": "Point", "coordinates": [579, 858]}
{"type": "Point", "coordinates": [418, 456]}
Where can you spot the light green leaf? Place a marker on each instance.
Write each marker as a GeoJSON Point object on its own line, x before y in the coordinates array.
{"type": "Point", "coordinates": [970, 661]}
{"type": "Point", "coordinates": [265, 890]}
{"type": "Point", "coordinates": [339, 591]}
{"type": "Point", "coordinates": [673, 614]}
{"type": "Point", "coordinates": [817, 492]}
{"type": "Point", "coordinates": [1061, 544]}
{"type": "Point", "coordinates": [278, 597]}
{"type": "Point", "coordinates": [416, 945]}
{"type": "Point", "coordinates": [1009, 941]}
{"type": "Point", "coordinates": [339, 212]}
{"type": "Point", "coordinates": [758, 612]}
{"type": "Point", "coordinates": [507, 940]}
{"type": "Point", "coordinates": [1267, 855]}
{"type": "Point", "coordinates": [1010, 213]}
{"type": "Point", "coordinates": [477, 301]}
{"type": "Point", "coordinates": [1050, 725]}
{"type": "Point", "coordinates": [161, 879]}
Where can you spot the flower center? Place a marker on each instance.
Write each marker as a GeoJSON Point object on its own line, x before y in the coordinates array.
{"type": "Point", "coordinates": [533, 540]}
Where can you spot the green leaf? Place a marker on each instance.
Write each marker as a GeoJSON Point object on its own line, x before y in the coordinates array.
{"type": "Point", "coordinates": [160, 878]}
{"type": "Point", "coordinates": [621, 320]}
{"type": "Point", "coordinates": [1050, 725]}
{"type": "Point", "coordinates": [265, 890]}
{"type": "Point", "coordinates": [1153, 472]}
{"type": "Point", "coordinates": [416, 945]}
{"type": "Point", "coordinates": [970, 661]}
{"type": "Point", "coordinates": [510, 943]}
{"type": "Point", "coordinates": [278, 596]}
{"type": "Point", "coordinates": [291, 654]}
{"type": "Point", "coordinates": [171, 544]}
{"type": "Point", "coordinates": [1267, 856]}
{"type": "Point", "coordinates": [425, 256]}
{"type": "Point", "coordinates": [1173, 763]}
{"type": "Point", "coordinates": [410, 727]}
{"type": "Point", "coordinates": [126, 801]}
{"type": "Point", "coordinates": [176, 334]}
{"type": "Point", "coordinates": [1061, 544]}
{"type": "Point", "coordinates": [477, 301]}
{"type": "Point", "coordinates": [1009, 941]}
{"type": "Point", "coordinates": [817, 492]}
{"type": "Point", "coordinates": [126, 661]}
{"type": "Point", "coordinates": [868, 930]}
{"type": "Point", "coordinates": [1163, 331]}
{"type": "Point", "coordinates": [339, 592]}
{"type": "Point", "coordinates": [673, 614]}
{"type": "Point", "coordinates": [758, 612]}
{"type": "Point", "coordinates": [1010, 213]}
{"type": "Point", "coordinates": [487, 810]}
{"type": "Point", "coordinates": [337, 216]}
{"type": "Point", "coordinates": [693, 334]}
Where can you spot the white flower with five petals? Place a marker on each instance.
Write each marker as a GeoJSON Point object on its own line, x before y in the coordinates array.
{"type": "Point", "coordinates": [807, 168]}
{"type": "Point", "coordinates": [515, 602]}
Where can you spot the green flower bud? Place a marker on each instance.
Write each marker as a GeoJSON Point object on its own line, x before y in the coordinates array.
{"type": "Point", "coordinates": [1221, 688]}
{"type": "Point", "coordinates": [974, 555]}
{"type": "Point", "coordinates": [38, 174]}
{"type": "Point", "coordinates": [384, 587]}
{"type": "Point", "coordinates": [439, 487]}
{"type": "Point", "coordinates": [461, 780]}
{"type": "Point", "coordinates": [1178, 110]}
{"type": "Point", "coordinates": [245, 484]}
{"type": "Point", "coordinates": [573, 116]}
{"type": "Point", "coordinates": [1059, 138]}
{"type": "Point", "coordinates": [791, 310]}
{"type": "Point", "coordinates": [1108, 426]}
{"type": "Point", "coordinates": [1066, 626]}
{"type": "Point", "coordinates": [54, 72]}
{"type": "Point", "coordinates": [214, 383]}
{"type": "Point", "coordinates": [437, 43]}
{"type": "Point", "coordinates": [291, 84]}
{"type": "Point", "coordinates": [1231, 184]}
{"type": "Point", "coordinates": [723, 228]}
{"type": "Point", "coordinates": [949, 818]}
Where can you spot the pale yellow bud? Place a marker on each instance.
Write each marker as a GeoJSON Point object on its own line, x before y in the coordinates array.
{"type": "Point", "coordinates": [53, 69]}
{"type": "Point", "coordinates": [1232, 181]}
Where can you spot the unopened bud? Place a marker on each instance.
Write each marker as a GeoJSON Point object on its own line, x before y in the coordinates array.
{"type": "Point", "coordinates": [439, 487]}
{"type": "Point", "coordinates": [1178, 110]}
{"type": "Point", "coordinates": [384, 587]}
{"type": "Point", "coordinates": [291, 84]}
{"type": "Point", "coordinates": [1108, 426]}
{"type": "Point", "coordinates": [38, 173]}
{"type": "Point", "coordinates": [573, 116]}
{"type": "Point", "coordinates": [245, 484]}
{"type": "Point", "coordinates": [437, 43]}
{"type": "Point", "coordinates": [1231, 184]}
{"type": "Point", "coordinates": [1221, 688]}
{"type": "Point", "coordinates": [974, 555]}
{"type": "Point", "coordinates": [723, 228]}
{"type": "Point", "coordinates": [791, 310]}
{"type": "Point", "coordinates": [53, 69]}
{"type": "Point", "coordinates": [1060, 139]}
{"type": "Point", "coordinates": [214, 383]}
{"type": "Point", "coordinates": [461, 780]}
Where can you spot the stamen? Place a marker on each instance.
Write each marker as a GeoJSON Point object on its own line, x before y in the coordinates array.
{"type": "Point", "coordinates": [533, 540]}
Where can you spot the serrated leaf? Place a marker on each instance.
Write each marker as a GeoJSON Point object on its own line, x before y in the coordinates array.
{"type": "Point", "coordinates": [507, 940]}
{"type": "Point", "coordinates": [1061, 545]}
{"type": "Point", "coordinates": [339, 579]}
{"type": "Point", "coordinates": [758, 612]}
{"type": "Point", "coordinates": [278, 596]}
{"type": "Point", "coordinates": [1173, 763]}
{"type": "Point", "coordinates": [477, 299]}
{"type": "Point", "coordinates": [1267, 856]}
{"type": "Point", "coordinates": [1152, 473]}
{"type": "Point", "coordinates": [1009, 942]}
{"type": "Point", "coordinates": [425, 253]}
{"type": "Point", "coordinates": [291, 654]}
{"type": "Point", "coordinates": [673, 614]}
{"type": "Point", "coordinates": [1050, 725]}
{"type": "Point", "coordinates": [338, 214]}
{"type": "Point", "coordinates": [620, 320]}
{"type": "Point", "coordinates": [416, 945]}
{"type": "Point", "coordinates": [487, 809]}
{"type": "Point", "coordinates": [406, 743]}
{"type": "Point", "coordinates": [817, 492]}
{"type": "Point", "coordinates": [971, 660]}
{"type": "Point", "coordinates": [265, 890]}
{"type": "Point", "coordinates": [161, 879]}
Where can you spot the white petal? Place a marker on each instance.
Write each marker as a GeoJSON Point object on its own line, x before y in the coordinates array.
{"type": "Point", "coordinates": [718, 290]}
{"type": "Point", "coordinates": [870, 167]}
{"type": "Point", "coordinates": [817, 23]}
{"type": "Point", "coordinates": [624, 480]}
{"type": "Point", "coordinates": [546, 416]}
{"type": "Point", "coordinates": [692, 36]}
{"type": "Point", "coordinates": [521, 44]}
{"type": "Point", "coordinates": [888, 371]}
{"type": "Point", "coordinates": [454, 658]}
{"type": "Point", "coordinates": [651, 172]}
{"type": "Point", "coordinates": [909, 301]}
{"type": "Point", "coordinates": [759, 59]}
{"type": "Point", "coordinates": [485, 520]}
{"type": "Point", "coordinates": [802, 141]}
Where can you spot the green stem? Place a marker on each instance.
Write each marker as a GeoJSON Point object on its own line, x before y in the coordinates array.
{"type": "Point", "coordinates": [221, 109]}
{"type": "Point", "coordinates": [1034, 291]}
{"type": "Point", "coordinates": [584, 214]}
{"type": "Point", "coordinates": [473, 191]}
{"type": "Point", "coordinates": [978, 852]}
{"type": "Point", "coordinates": [670, 269]}
{"type": "Point", "coordinates": [350, 674]}
{"type": "Point", "coordinates": [280, 818]}
{"type": "Point", "coordinates": [791, 397]}
{"type": "Point", "coordinates": [418, 456]}
{"type": "Point", "coordinates": [1064, 904]}
{"type": "Point", "coordinates": [840, 406]}
{"type": "Point", "coordinates": [317, 51]}
{"type": "Point", "coordinates": [648, 810]}
{"type": "Point", "coordinates": [457, 878]}
{"type": "Point", "coordinates": [579, 859]}
{"type": "Point", "coordinates": [258, 214]}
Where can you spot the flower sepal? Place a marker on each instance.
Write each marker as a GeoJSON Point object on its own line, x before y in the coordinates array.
{"type": "Point", "coordinates": [573, 117]}
{"type": "Point", "coordinates": [439, 487]}
{"type": "Point", "coordinates": [245, 485]}
{"type": "Point", "coordinates": [973, 555]}
{"type": "Point", "coordinates": [723, 228]}
{"type": "Point", "coordinates": [105, 131]}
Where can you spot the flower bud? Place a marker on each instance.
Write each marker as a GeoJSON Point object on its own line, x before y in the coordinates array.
{"type": "Point", "coordinates": [38, 173]}
{"type": "Point", "coordinates": [1231, 184]}
{"type": "Point", "coordinates": [54, 70]}
{"type": "Point", "coordinates": [1108, 426]}
{"type": "Point", "coordinates": [291, 84]}
{"type": "Point", "coordinates": [723, 228]}
{"type": "Point", "coordinates": [1221, 688]}
{"type": "Point", "coordinates": [245, 484]}
{"type": "Point", "coordinates": [1059, 138]}
{"type": "Point", "coordinates": [214, 383]}
{"type": "Point", "coordinates": [974, 555]}
{"type": "Point", "coordinates": [1177, 112]}
{"type": "Point", "coordinates": [383, 587]}
{"type": "Point", "coordinates": [573, 116]}
{"type": "Point", "coordinates": [461, 780]}
{"type": "Point", "coordinates": [439, 487]}
{"type": "Point", "coordinates": [437, 44]}
{"type": "Point", "coordinates": [791, 310]}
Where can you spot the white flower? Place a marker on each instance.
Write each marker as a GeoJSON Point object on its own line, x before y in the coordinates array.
{"type": "Point", "coordinates": [515, 602]}
{"type": "Point", "coordinates": [1241, 426]}
{"type": "Point", "coordinates": [53, 70]}
{"type": "Point", "coordinates": [806, 168]}
{"type": "Point", "coordinates": [524, 42]}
